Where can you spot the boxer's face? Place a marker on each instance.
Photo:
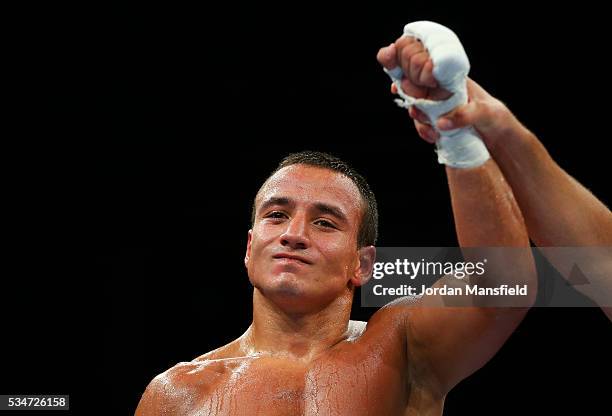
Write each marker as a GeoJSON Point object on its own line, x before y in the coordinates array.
{"type": "Point", "coordinates": [302, 251]}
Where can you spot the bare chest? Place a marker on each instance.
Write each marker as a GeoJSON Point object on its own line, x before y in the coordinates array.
{"type": "Point", "coordinates": [274, 387]}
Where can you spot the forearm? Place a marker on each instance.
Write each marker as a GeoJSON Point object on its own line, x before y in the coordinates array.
{"type": "Point", "coordinates": [487, 216]}
{"type": "Point", "coordinates": [484, 208]}
{"type": "Point", "coordinates": [559, 212]}
{"type": "Point", "coordinates": [557, 209]}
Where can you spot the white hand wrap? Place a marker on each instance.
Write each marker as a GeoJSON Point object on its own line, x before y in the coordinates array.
{"type": "Point", "coordinates": [461, 148]}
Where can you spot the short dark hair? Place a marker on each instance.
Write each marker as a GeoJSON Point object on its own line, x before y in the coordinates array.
{"type": "Point", "coordinates": [368, 228]}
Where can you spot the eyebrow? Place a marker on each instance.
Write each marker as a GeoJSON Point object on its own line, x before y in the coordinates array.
{"type": "Point", "coordinates": [319, 206]}
{"type": "Point", "coordinates": [331, 210]}
{"type": "Point", "coordinates": [282, 201]}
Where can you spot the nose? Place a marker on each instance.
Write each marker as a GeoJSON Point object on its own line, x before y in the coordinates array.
{"type": "Point", "coordinates": [295, 235]}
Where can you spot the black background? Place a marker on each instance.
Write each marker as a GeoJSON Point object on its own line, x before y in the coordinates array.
{"type": "Point", "coordinates": [189, 108]}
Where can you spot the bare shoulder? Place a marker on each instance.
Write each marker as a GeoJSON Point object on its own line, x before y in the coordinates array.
{"type": "Point", "coordinates": [393, 317]}
{"type": "Point", "coordinates": [165, 394]}
{"type": "Point", "coordinates": [182, 385]}
{"type": "Point", "coordinates": [386, 330]}
{"type": "Point", "coordinates": [389, 321]}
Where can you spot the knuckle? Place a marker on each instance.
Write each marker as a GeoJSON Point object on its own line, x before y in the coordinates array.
{"type": "Point", "coordinates": [406, 54]}
{"type": "Point", "coordinates": [421, 58]}
{"type": "Point", "coordinates": [427, 74]}
{"type": "Point", "coordinates": [415, 48]}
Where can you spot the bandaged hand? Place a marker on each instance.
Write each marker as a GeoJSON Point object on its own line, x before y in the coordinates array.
{"type": "Point", "coordinates": [429, 68]}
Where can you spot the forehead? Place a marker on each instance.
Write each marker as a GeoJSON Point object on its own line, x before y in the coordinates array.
{"type": "Point", "coordinates": [311, 184]}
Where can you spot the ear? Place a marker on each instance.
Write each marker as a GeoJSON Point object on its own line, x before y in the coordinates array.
{"type": "Point", "coordinates": [363, 270]}
{"type": "Point", "coordinates": [247, 256]}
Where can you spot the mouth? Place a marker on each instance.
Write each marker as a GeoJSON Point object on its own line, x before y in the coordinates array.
{"type": "Point", "coordinates": [291, 257]}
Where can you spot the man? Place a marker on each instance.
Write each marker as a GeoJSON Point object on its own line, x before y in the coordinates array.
{"type": "Point", "coordinates": [311, 243]}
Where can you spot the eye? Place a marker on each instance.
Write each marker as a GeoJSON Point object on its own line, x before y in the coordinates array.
{"type": "Point", "coordinates": [276, 215]}
{"type": "Point", "coordinates": [324, 223]}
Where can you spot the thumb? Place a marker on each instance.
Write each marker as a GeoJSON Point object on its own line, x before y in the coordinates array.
{"type": "Point", "coordinates": [465, 115]}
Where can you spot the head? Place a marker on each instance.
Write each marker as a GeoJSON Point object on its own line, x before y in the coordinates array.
{"type": "Point", "coordinates": [314, 226]}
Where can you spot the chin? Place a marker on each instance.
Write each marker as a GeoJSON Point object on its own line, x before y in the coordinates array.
{"type": "Point", "coordinates": [287, 292]}
{"type": "Point", "coordinates": [286, 284]}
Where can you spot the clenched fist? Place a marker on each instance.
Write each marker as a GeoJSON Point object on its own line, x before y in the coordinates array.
{"type": "Point", "coordinates": [489, 116]}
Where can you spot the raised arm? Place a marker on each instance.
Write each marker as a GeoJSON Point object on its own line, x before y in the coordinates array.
{"type": "Point", "coordinates": [558, 210]}
{"type": "Point", "coordinates": [446, 344]}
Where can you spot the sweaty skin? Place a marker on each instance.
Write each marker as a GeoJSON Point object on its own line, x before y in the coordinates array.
{"type": "Point", "coordinates": [302, 355]}
{"type": "Point", "coordinates": [358, 375]}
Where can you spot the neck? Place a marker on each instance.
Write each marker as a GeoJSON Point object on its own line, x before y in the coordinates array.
{"type": "Point", "coordinates": [301, 336]}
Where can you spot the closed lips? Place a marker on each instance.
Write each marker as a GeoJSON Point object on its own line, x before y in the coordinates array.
{"type": "Point", "coordinates": [291, 257]}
